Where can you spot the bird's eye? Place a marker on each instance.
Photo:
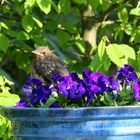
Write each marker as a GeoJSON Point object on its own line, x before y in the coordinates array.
{"type": "Point", "coordinates": [43, 53]}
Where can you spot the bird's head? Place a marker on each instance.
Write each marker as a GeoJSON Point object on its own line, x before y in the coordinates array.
{"type": "Point", "coordinates": [42, 52]}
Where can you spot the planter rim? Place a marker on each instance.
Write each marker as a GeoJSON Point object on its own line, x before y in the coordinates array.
{"type": "Point", "coordinates": [80, 108]}
{"type": "Point", "coordinates": [72, 114]}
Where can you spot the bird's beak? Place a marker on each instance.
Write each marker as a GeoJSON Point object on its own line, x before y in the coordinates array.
{"type": "Point", "coordinates": [37, 53]}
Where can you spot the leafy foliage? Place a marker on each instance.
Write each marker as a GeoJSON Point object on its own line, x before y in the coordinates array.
{"type": "Point", "coordinates": [5, 127]}
{"type": "Point", "coordinates": [120, 54]}
{"type": "Point", "coordinates": [63, 26]}
{"type": "Point", "coordinates": [6, 99]}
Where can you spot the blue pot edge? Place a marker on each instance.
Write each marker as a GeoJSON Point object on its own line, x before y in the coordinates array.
{"type": "Point", "coordinates": [67, 109]}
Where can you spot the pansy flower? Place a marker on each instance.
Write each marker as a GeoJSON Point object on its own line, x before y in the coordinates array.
{"type": "Point", "coordinates": [71, 88]}
{"type": "Point", "coordinates": [93, 84]}
{"type": "Point", "coordinates": [126, 74]}
{"type": "Point", "coordinates": [22, 103]}
{"type": "Point", "coordinates": [136, 90]}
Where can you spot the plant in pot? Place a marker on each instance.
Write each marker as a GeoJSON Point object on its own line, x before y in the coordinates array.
{"type": "Point", "coordinates": [6, 99]}
{"type": "Point", "coordinates": [90, 106]}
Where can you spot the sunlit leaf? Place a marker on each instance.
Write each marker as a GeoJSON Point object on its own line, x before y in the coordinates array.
{"type": "Point", "coordinates": [38, 22]}
{"type": "Point", "coordinates": [135, 11]}
{"type": "Point", "coordinates": [29, 3]}
{"type": "Point", "coordinates": [123, 15]}
{"type": "Point", "coordinates": [3, 25]}
{"type": "Point", "coordinates": [44, 5]}
{"type": "Point", "coordinates": [119, 54]}
{"type": "Point", "coordinates": [7, 99]}
{"type": "Point", "coordinates": [101, 47]}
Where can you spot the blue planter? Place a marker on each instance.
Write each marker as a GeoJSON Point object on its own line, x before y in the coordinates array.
{"type": "Point", "coordinates": [97, 123]}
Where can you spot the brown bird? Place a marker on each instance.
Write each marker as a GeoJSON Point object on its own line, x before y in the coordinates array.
{"type": "Point", "coordinates": [46, 64]}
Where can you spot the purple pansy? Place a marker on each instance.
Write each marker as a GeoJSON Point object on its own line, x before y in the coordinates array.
{"type": "Point", "coordinates": [75, 77]}
{"type": "Point", "coordinates": [111, 84]}
{"type": "Point", "coordinates": [40, 95]}
{"type": "Point", "coordinates": [22, 103]}
{"type": "Point", "coordinates": [97, 83]}
{"type": "Point", "coordinates": [126, 74]}
{"type": "Point", "coordinates": [56, 77]}
{"type": "Point", "coordinates": [86, 73]}
{"type": "Point", "coordinates": [70, 88]}
{"type": "Point", "coordinates": [30, 85]}
{"type": "Point", "coordinates": [55, 106]}
{"type": "Point", "coordinates": [93, 84]}
{"type": "Point", "coordinates": [36, 91]}
{"type": "Point", "coordinates": [136, 90]}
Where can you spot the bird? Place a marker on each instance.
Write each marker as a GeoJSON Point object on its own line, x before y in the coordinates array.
{"type": "Point", "coordinates": [46, 64]}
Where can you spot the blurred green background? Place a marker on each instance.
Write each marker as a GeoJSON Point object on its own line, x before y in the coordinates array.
{"type": "Point", "coordinates": [98, 34]}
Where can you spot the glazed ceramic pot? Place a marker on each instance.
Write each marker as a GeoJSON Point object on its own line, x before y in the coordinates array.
{"type": "Point", "coordinates": [95, 123]}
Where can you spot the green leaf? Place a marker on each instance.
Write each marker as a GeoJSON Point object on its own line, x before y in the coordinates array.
{"type": "Point", "coordinates": [27, 23]}
{"type": "Point", "coordinates": [94, 4]}
{"type": "Point", "coordinates": [100, 65]}
{"type": "Point", "coordinates": [80, 44]}
{"type": "Point", "coordinates": [63, 36]}
{"type": "Point", "coordinates": [3, 125]}
{"type": "Point", "coordinates": [49, 102]}
{"type": "Point", "coordinates": [51, 25]}
{"type": "Point", "coordinates": [22, 61]}
{"type": "Point", "coordinates": [11, 33]}
{"type": "Point", "coordinates": [68, 26]}
{"type": "Point", "coordinates": [6, 75]}
{"type": "Point", "coordinates": [54, 6]}
{"type": "Point", "coordinates": [101, 61]}
{"type": "Point", "coordinates": [119, 54]}
{"type": "Point", "coordinates": [105, 62]}
{"type": "Point", "coordinates": [80, 2]}
{"type": "Point", "coordinates": [135, 12]}
{"type": "Point", "coordinates": [101, 47]}
{"type": "Point", "coordinates": [137, 35]}
{"type": "Point", "coordinates": [29, 3]}
{"type": "Point", "coordinates": [2, 24]}
{"type": "Point", "coordinates": [22, 36]}
{"type": "Point", "coordinates": [4, 42]}
{"type": "Point", "coordinates": [64, 6]}
{"type": "Point", "coordinates": [4, 80]}
{"type": "Point", "coordinates": [119, 33]}
{"type": "Point", "coordinates": [107, 99]}
{"type": "Point", "coordinates": [7, 99]}
{"type": "Point", "coordinates": [5, 129]}
{"type": "Point", "coordinates": [39, 23]}
{"type": "Point", "coordinates": [123, 15]}
{"type": "Point", "coordinates": [79, 66]}
{"type": "Point", "coordinates": [104, 4]}
{"type": "Point", "coordinates": [28, 6]}
{"type": "Point", "coordinates": [95, 64]}
{"type": "Point", "coordinates": [129, 29]}
{"type": "Point", "coordinates": [44, 5]}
